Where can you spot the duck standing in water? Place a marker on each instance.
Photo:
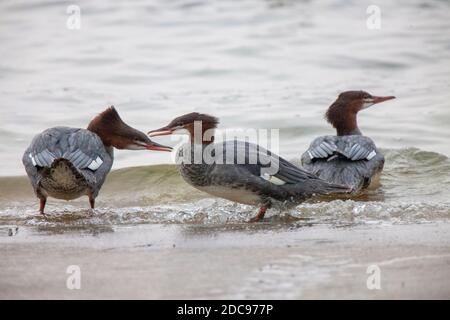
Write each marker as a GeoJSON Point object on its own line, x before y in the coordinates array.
{"type": "Point", "coordinates": [348, 158]}
{"type": "Point", "coordinates": [240, 171]}
{"type": "Point", "coordinates": [67, 163]}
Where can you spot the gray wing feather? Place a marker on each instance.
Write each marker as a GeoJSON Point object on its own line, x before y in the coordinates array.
{"type": "Point", "coordinates": [329, 149]}
{"type": "Point", "coordinates": [248, 162]}
{"type": "Point", "coordinates": [258, 159]}
{"type": "Point", "coordinates": [81, 147]}
{"type": "Point", "coordinates": [352, 147]}
{"type": "Point", "coordinates": [40, 160]}
{"type": "Point", "coordinates": [358, 153]}
{"type": "Point", "coordinates": [362, 151]}
{"type": "Point", "coordinates": [321, 148]}
{"type": "Point", "coordinates": [48, 157]}
{"type": "Point", "coordinates": [321, 152]}
{"type": "Point", "coordinates": [31, 169]}
{"type": "Point", "coordinates": [84, 161]}
{"type": "Point", "coordinates": [354, 161]}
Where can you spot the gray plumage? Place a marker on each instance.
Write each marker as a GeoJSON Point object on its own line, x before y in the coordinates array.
{"type": "Point", "coordinates": [66, 163]}
{"type": "Point", "coordinates": [247, 173]}
{"type": "Point", "coordinates": [351, 160]}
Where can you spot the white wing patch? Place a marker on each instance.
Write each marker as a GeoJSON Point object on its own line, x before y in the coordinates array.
{"type": "Point", "coordinates": [32, 159]}
{"type": "Point", "coordinates": [273, 179]}
{"type": "Point", "coordinates": [95, 164]}
{"type": "Point", "coordinates": [371, 155]}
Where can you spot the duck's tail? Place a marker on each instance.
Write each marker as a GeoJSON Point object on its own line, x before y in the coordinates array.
{"type": "Point", "coordinates": [63, 178]}
{"type": "Point", "coordinates": [316, 187]}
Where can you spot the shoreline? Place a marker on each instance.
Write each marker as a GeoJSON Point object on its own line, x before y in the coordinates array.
{"type": "Point", "coordinates": [241, 261]}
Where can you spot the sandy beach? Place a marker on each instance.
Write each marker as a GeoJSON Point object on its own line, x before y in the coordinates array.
{"type": "Point", "coordinates": [237, 261]}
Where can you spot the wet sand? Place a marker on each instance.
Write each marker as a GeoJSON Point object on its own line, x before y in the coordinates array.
{"type": "Point", "coordinates": [292, 261]}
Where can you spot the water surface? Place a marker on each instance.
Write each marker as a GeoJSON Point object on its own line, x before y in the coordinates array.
{"type": "Point", "coordinates": [254, 64]}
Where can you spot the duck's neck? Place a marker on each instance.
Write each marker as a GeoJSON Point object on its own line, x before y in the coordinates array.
{"type": "Point", "coordinates": [100, 132]}
{"type": "Point", "coordinates": [204, 136]}
{"type": "Point", "coordinates": [349, 131]}
{"type": "Point", "coordinates": [201, 142]}
{"type": "Point", "coordinates": [347, 125]}
{"type": "Point", "coordinates": [354, 132]}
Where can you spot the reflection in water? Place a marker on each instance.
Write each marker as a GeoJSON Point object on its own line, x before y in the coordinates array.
{"type": "Point", "coordinates": [67, 229]}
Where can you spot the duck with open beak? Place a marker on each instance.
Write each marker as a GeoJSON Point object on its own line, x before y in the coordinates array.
{"type": "Point", "coordinates": [251, 175]}
{"type": "Point", "coordinates": [67, 163]}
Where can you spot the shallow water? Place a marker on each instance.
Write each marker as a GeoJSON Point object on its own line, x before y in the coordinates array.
{"type": "Point", "coordinates": [414, 189]}
{"type": "Point", "coordinates": [258, 64]}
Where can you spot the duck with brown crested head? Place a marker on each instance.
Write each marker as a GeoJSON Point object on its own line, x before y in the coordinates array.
{"type": "Point", "coordinates": [240, 171]}
{"type": "Point", "coordinates": [348, 158]}
{"type": "Point", "coordinates": [67, 163]}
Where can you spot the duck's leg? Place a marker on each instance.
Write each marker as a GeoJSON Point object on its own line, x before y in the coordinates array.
{"type": "Point", "coordinates": [260, 215]}
{"type": "Point", "coordinates": [42, 202]}
{"type": "Point", "coordinates": [91, 201]}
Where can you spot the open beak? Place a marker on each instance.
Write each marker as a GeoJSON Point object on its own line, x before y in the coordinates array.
{"type": "Point", "coordinates": [157, 147]}
{"type": "Point", "coordinates": [164, 131]}
{"type": "Point", "coordinates": [381, 99]}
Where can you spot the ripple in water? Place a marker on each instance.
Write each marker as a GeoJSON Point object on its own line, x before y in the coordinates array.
{"type": "Point", "coordinates": [414, 189]}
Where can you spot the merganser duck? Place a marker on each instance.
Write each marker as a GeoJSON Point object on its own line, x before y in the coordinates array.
{"type": "Point", "coordinates": [240, 171]}
{"type": "Point", "coordinates": [67, 163]}
{"type": "Point", "coordinates": [349, 158]}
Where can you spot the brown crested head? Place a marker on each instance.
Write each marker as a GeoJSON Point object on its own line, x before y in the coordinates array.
{"type": "Point", "coordinates": [114, 132]}
{"type": "Point", "coordinates": [188, 122]}
{"type": "Point", "coordinates": [342, 114]}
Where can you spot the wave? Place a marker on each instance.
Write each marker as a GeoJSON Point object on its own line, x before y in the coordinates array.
{"type": "Point", "coordinates": [414, 188]}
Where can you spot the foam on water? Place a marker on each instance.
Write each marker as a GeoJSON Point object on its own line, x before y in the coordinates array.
{"type": "Point", "coordinates": [414, 189]}
{"type": "Point", "coordinates": [254, 64]}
